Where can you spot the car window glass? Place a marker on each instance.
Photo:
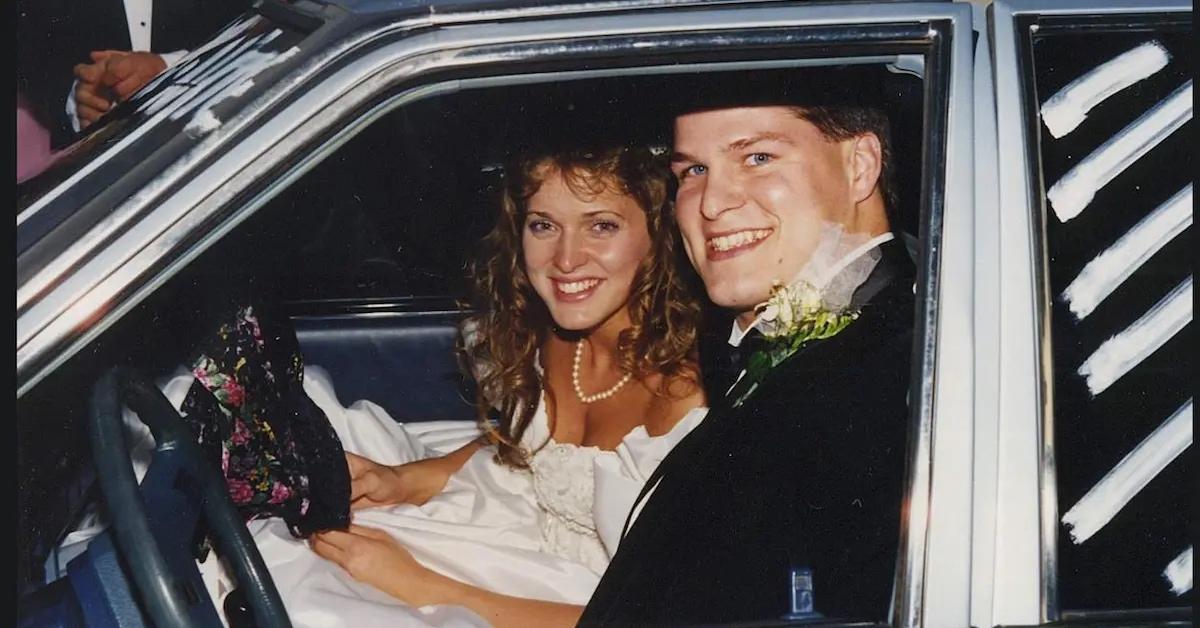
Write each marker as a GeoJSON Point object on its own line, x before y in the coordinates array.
{"type": "Point", "coordinates": [397, 210]}
{"type": "Point", "coordinates": [1116, 168]}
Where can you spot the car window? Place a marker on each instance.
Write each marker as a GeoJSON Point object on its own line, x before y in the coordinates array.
{"type": "Point", "coordinates": [393, 215]}
{"type": "Point", "coordinates": [396, 211]}
{"type": "Point", "coordinates": [1113, 126]}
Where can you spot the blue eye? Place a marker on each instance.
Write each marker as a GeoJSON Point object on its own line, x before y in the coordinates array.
{"type": "Point", "coordinates": [758, 159]}
{"type": "Point", "coordinates": [693, 170]}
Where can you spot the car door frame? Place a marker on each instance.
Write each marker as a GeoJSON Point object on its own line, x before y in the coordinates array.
{"type": "Point", "coordinates": [933, 583]}
{"type": "Point", "coordinates": [1023, 556]}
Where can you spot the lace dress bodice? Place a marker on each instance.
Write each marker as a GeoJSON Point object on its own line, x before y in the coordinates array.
{"type": "Point", "coordinates": [565, 487]}
{"type": "Point", "coordinates": [571, 483]}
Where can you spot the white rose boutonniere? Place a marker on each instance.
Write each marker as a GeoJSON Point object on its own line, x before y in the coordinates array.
{"type": "Point", "coordinates": [795, 314]}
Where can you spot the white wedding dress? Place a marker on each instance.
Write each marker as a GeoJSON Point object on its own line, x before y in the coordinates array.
{"type": "Point", "coordinates": [545, 533]}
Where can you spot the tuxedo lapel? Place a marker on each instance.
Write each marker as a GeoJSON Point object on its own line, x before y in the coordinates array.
{"type": "Point", "coordinates": [716, 354]}
{"type": "Point", "coordinates": [729, 362]}
{"type": "Point", "coordinates": [683, 451]}
{"type": "Point", "coordinates": [660, 500]}
{"type": "Point", "coordinates": [755, 488]}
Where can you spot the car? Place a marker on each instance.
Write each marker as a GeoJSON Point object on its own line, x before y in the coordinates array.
{"type": "Point", "coordinates": [344, 155]}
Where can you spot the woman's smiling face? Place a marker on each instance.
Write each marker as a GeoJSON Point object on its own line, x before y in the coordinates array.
{"type": "Point", "coordinates": [582, 251]}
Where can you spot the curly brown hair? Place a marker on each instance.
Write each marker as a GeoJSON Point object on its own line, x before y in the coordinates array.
{"type": "Point", "coordinates": [511, 321]}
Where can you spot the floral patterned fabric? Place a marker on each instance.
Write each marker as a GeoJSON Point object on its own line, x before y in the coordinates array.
{"type": "Point", "coordinates": [276, 448]}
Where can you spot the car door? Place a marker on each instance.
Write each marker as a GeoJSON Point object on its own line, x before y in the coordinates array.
{"type": "Point", "coordinates": [1093, 106]}
{"type": "Point", "coordinates": [372, 65]}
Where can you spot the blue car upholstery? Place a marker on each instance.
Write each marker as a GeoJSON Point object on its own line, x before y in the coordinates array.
{"type": "Point", "coordinates": [404, 361]}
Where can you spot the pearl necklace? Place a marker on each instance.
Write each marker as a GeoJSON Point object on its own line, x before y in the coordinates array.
{"type": "Point", "coordinates": [579, 389]}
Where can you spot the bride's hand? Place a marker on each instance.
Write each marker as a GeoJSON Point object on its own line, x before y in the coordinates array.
{"type": "Point", "coordinates": [373, 557]}
{"type": "Point", "coordinates": [373, 484]}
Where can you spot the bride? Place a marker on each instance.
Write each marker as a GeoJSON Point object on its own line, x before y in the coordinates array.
{"type": "Point", "coordinates": [584, 352]}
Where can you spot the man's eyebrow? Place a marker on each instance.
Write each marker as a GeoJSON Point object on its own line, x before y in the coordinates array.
{"type": "Point", "coordinates": [679, 156]}
{"type": "Point", "coordinates": [736, 145]}
{"type": "Point", "coordinates": [768, 136]}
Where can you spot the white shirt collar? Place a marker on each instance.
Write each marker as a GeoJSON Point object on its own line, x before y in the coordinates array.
{"type": "Point", "coordinates": [737, 334]}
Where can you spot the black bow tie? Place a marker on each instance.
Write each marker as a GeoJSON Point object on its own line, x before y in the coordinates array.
{"type": "Point", "coordinates": [739, 356]}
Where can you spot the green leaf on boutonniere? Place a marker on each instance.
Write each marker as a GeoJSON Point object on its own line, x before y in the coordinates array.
{"type": "Point", "coordinates": [795, 317]}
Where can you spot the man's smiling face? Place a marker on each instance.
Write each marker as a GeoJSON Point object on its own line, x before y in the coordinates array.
{"type": "Point", "coordinates": [755, 186]}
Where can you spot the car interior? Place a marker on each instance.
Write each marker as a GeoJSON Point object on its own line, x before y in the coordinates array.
{"type": "Point", "coordinates": [368, 254]}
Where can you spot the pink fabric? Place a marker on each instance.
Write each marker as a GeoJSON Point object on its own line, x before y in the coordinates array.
{"type": "Point", "coordinates": [33, 142]}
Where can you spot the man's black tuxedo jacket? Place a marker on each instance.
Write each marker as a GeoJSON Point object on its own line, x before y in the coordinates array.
{"type": "Point", "coordinates": [808, 472]}
{"type": "Point", "coordinates": [54, 35]}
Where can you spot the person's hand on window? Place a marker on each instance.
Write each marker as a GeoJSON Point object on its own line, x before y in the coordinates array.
{"type": "Point", "coordinates": [92, 99]}
{"type": "Point", "coordinates": [373, 484]}
{"type": "Point", "coordinates": [125, 73]}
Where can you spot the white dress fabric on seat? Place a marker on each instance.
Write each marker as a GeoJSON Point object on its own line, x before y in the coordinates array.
{"type": "Point", "coordinates": [544, 533]}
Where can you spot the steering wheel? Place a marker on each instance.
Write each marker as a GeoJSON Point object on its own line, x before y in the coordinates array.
{"type": "Point", "coordinates": [153, 525]}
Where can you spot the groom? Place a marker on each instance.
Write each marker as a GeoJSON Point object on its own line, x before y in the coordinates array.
{"type": "Point", "coordinates": [801, 481]}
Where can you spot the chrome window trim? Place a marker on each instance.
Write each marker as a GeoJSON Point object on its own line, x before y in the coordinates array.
{"type": "Point", "coordinates": [1031, 528]}
{"type": "Point", "coordinates": [945, 406]}
{"type": "Point", "coordinates": [406, 21]}
{"type": "Point", "coordinates": [80, 308]}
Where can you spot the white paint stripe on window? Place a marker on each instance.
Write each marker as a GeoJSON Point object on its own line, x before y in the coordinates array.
{"type": "Point", "coordinates": [1115, 264]}
{"type": "Point", "coordinates": [1075, 190]}
{"type": "Point", "coordinates": [1130, 476]}
{"type": "Point", "coordinates": [203, 122]}
{"type": "Point", "coordinates": [1179, 572]}
{"type": "Point", "coordinates": [1135, 343]}
{"type": "Point", "coordinates": [1069, 106]}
